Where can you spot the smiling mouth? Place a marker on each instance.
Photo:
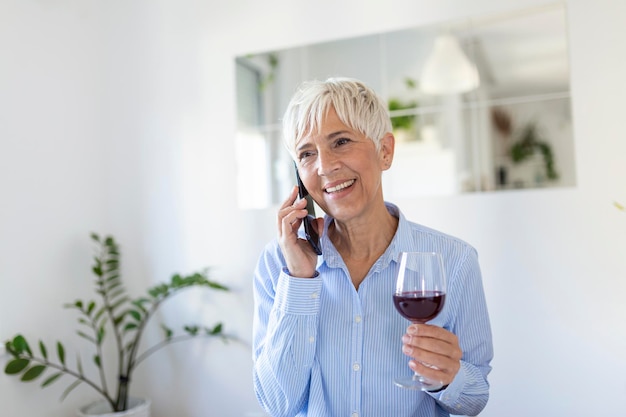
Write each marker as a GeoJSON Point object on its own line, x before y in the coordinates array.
{"type": "Point", "coordinates": [340, 186]}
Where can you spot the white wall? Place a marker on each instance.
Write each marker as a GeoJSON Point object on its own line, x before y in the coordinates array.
{"type": "Point", "coordinates": [118, 117]}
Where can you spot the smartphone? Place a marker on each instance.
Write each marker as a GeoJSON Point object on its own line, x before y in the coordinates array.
{"type": "Point", "coordinates": [311, 235]}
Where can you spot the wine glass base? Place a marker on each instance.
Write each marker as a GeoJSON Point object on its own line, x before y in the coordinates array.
{"type": "Point", "coordinates": [418, 382]}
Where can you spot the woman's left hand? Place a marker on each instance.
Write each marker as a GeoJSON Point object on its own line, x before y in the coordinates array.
{"type": "Point", "coordinates": [435, 351]}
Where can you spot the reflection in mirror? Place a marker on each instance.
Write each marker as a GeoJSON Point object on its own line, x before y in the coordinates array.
{"type": "Point", "coordinates": [481, 105]}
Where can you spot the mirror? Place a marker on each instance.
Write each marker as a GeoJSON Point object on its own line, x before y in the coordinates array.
{"type": "Point", "coordinates": [495, 115]}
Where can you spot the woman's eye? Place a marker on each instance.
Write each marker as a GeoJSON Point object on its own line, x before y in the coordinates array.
{"type": "Point", "coordinates": [342, 141]}
{"type": "Point", "coordinates": [305, 155]}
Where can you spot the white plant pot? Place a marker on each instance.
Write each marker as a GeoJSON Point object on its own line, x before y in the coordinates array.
{"type": "Point", "coordinates": [139, 407]}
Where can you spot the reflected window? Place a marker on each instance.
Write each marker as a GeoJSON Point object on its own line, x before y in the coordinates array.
{"type": "Point", "coordinates": [503, 123]}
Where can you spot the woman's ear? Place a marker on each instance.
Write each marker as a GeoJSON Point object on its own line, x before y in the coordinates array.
{"type": "Point", "coordinates": [387, 146]}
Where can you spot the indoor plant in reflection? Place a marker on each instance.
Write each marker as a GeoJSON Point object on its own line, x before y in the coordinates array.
{"type": "Point", "coordinates": [528, 144]}
{"type": "Point", "coordinates": [116, 316]}
{"type": "Point", "coordinates": [404, 120]}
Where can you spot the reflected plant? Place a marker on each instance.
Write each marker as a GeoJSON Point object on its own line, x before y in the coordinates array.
{"type": "Point", "coordinates": [408, 121]}
{"type": "Point", "coordinates": [272, 61]}
{"type": "Point", "coordinates": [117, 314]}
{"type": "Point", "coordinates": [526, 146]}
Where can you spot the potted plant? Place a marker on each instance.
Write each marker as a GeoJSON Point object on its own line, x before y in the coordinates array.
{"type": "Point", "coordinates": [115, 315]}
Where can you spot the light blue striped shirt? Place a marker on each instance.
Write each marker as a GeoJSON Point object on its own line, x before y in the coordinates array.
{"type": "Point", "coordinates": [324, 349]}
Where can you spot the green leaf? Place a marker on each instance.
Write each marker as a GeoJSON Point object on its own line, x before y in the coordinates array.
{"type": "Point", "coordinates": [130, 326]}
{"type": "Point", "coordinates": [20, 345]}
{"type": "Point", "coordinates": [61, 353]}
{"type": "Point", "coordinates": [217, 329]}
{"type": "Point", "coordinates": [8, 345]}
{"type": "Point", "coordinates": [135, 314]}
{"type": "Point", "coordinates": [100, 335]}
{"type": "Point", "coordinates": [84, 321]}
{"type": "Point", "coordinates": [113, 285]}
{"type": "Point", "coordinates": [192, 330]}
{"type": "Point", "coordinates": [16, 366]}
{"type": "Point", "coordinates": [96, 360]}
{"type": "Point", "coordinates": [139, 304]}
{"type": "Point", "coordinates": [217, 286]}
{"type": "Point", "coordinates": [410, 83]}
{"type": "Point", "coordinates": [119, 303]}
{"type": "Point", "coordinates": [86, 337]}
{"type": "Point", "coordinates": [79, 365]}
{"type": "Point", "coordinates": [117, 293]}
{"type": "Point", "coordinates": [33, 373]}
{"type": "Point", "coordinates": [103, 322]}
{"type": "Point", "coordinates": [51, 379]}
{"type": "Point", "coordinates": [112, 265]}
{"type": "Point", "coordinates": [168, 332]}
{"type": "Point", "coordinates": [117, 320]}
{"type": "Point", "coordinates": [99, 313]}
{"type": "Point", "coordinates": [90, 308]}
{"type": "Point", "coordinates": [158, 291]}
{"type": "Point", "coordinates": [177, 281]}
{"type": "Point", "coordinates": [70, 388]}
{"type": "Point", "coordinates": [95, 237]}
{"type": "Point", "coordinates": [44, 351]}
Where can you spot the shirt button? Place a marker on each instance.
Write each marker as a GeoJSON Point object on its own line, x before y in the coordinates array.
{"type": "Point", "coordinates": [356, 367]}
{"type": "Point", "coordinates": [357, 319]}
{"type": "Point", "coordinates": [355, 414]}
{"type": "Point", "coordinates": [311, 339]}
{"type": "Point", "coordinates": [314, 295]}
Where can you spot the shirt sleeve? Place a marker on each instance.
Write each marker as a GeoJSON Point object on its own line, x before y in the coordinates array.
{"type": "Point", "coordinates": [285, 329]}
{"type": "Point", "coordinates": [468, 393]}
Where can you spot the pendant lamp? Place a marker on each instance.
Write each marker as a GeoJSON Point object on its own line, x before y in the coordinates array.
{"type": "Point", "coordinates": [448, 70]}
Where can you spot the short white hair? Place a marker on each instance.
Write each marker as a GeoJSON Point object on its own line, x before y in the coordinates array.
{"type": "Point", "coordinates": [356, 105]}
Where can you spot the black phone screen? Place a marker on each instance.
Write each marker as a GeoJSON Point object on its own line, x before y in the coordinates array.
{"type": "Point", "coordinates": [311, 235]}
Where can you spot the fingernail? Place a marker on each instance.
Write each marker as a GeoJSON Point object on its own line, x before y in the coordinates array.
{"type": "Point", "coordinates": [406, 339]}
{"type": "Point", "coordinates": [407, 350]}
{"type": "Point", "coordinates": [412, 330]}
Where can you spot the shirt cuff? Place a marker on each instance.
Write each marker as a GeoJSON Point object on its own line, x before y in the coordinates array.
{"type": "Point", "coordinates": [452, 392]}
{"type": "Point", "coordinates": [298, 295]}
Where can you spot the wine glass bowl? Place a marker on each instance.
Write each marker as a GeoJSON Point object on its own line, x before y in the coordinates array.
{"type": "Point", "coordinates": [419, 297]}
{"type": "Point", "coordinates": [419, 306]}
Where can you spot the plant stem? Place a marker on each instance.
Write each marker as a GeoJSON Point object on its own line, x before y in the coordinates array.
{"type": "Point", "coordinates": [162, 344]}
{"type": "Point", "coordinates": [74, 374]}
{"type": "Point", "coordinates": [116, 332]}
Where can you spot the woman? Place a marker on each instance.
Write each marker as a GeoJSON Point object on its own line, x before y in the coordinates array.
{"type": "Point", "coordinates": [327, 338]}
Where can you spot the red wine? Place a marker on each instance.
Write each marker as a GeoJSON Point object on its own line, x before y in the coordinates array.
{"type": "Point", "coordinates": [419, 306]}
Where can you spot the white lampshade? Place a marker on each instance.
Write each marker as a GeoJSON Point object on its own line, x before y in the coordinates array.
{"type": "Point", "coordinates": [448, 70]}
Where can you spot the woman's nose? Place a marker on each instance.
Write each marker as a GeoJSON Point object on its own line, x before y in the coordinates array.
{"type": "Point", "coordinates": [326, 163]}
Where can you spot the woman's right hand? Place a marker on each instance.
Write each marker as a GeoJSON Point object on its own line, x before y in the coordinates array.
{"type": "Point", "coordinates": [300, 257]}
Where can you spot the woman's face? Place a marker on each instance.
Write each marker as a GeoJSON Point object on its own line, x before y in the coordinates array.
{"type": "Point", "coordinates": [341, 168]}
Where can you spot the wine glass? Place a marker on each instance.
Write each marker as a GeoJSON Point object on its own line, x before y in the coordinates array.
{"type": "Point", "coordinates": [419, 297]}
